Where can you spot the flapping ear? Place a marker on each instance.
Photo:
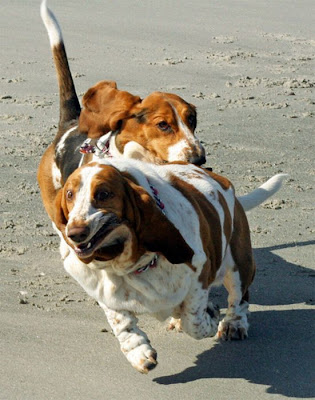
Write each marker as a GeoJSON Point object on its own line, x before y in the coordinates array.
{"type": "Point", "coordinates": [61, 212]}
{"type": "Point", "coordinates": [156, 233]}
{"type": "Point", "coordinates": [105, 107]}
{"type": "Point", "coordinates": [163, 237]}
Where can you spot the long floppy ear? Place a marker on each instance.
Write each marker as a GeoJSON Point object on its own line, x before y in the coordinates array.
{"type": "Point", "coordinates": [163, 237]}
{"type": "Point", "coordinates": [61, 212]}
{"type": "Point", "coordinates": [156, 232]}
{"type": "Point", "coordinates": [105, 107]}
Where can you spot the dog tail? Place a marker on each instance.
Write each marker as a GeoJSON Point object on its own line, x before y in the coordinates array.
{"type": "Point", "coordinates": [261, 194]}
{"type": "Point", "coordinates": [69, 103]}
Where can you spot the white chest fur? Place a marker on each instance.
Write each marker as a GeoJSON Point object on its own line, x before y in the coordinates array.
{"type": "Point", "coordinates": [155, 291]}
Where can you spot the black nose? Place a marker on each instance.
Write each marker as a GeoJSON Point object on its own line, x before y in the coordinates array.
{"type": "Point", "coordinates": [197, 160]}
{"type": "Point", "coordinates": [78, 234]}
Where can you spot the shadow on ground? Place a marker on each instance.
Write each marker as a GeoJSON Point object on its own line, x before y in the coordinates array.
{"type": "Point", "coordinates": [279, 352]}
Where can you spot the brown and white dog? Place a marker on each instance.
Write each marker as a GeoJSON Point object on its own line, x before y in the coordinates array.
{"type": "Point", "coordinates": [159, 128]}
{"type": "Point", "coordinates": [145, 238]}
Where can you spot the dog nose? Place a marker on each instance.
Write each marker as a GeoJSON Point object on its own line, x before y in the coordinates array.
{"type": "Point", "coordinates": [78, 233]}
{"type": "Point", "coordinates": [197, 160]}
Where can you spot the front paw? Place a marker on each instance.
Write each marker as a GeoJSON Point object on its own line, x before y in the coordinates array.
{"type": "Point", "coordinates": [175, 325]}
{"type": "Point", "coordinates": [234, 325]}
{"type": "Point", "coordinates": [143, 358]}
{"type": "Point", "coordinates": [232, 329]}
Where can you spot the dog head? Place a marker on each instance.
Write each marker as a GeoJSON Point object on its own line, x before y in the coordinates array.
{"type": "Point", "coordinates": [162, 124]}
{"type": "Point", "coordinates": [104, 214]}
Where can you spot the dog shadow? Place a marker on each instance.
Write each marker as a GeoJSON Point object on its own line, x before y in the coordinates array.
{"type": "Point", "coordinates": [279, 352]}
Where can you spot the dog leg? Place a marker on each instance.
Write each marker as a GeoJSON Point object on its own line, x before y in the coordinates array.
{"type": "Point", "coordinates": [134, 343]}
{"type": "Point", "coordinates": [199, 318]}
{"type": "Point", "coordinates": [235, 324]}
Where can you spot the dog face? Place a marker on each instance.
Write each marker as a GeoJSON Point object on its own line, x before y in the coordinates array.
{"type": "Point", "coordinates": [103, 214]}
{"type": "Point", "coordinates": [162, 124]}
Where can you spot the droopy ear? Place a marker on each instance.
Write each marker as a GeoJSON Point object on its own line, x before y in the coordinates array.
{"type": "Point", "coordinates": [156, 233]}
{"type": "Point", "coordinates": [61, 212]}
{"type": "Point", "coordinates": [163, 237]}
{"type": "Point", "coordinates": [105, 107]}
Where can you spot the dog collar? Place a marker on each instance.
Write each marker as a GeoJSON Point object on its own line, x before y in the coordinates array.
{"type": "Point", "coordinates": [151, 264]}
{"type": "Point", "coordinates": [100, 148]}
{"type": "Point", "coordinates": [156, 196]}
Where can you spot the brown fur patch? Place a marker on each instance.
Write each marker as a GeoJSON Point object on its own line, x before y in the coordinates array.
{"type": "Point", "coordinates": [45, 181]}
{"type": "Point", "coordinates": [104, 107]}
{"type": "Point", "coordinates": [224, 182]}
{"type": "Point", "coordinates": [210, 230]}
{"type": "Point", "coordinates": [241, 248]}
{"type": "Point", "coordinates": [227, 226]}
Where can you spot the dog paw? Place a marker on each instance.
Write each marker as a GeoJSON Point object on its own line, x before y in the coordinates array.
{"type": "Point", "coordinates": [232, 329]}
{"type": "Point", "coordinates": [142, 358]}
{"type": "Point", "coordinates": [175, 325]}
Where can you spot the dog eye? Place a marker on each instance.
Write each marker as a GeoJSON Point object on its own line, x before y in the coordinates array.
{"type": "Point", "coordinates": [164, 126]}
{"type": "Point", "coordinates": [192, 121]}
{"type": "Point", "coordinates": [69, 194]}
{"type": "Point", "coordinates": [101, 196]}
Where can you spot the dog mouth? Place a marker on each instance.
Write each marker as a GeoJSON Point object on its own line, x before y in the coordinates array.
{"type": "Point", "coordinates": [87, 249]}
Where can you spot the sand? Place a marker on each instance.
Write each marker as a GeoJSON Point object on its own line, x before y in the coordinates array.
{"type": "Point", "coordinates": [248, 66]}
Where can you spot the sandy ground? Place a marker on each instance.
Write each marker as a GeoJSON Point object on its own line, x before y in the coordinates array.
{"type": "Point", "coordinates": [248, 66]}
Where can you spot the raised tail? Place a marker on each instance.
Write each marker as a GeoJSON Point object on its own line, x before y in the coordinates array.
{"type": "Point", "coordinates": [261, 194]}
{"type": "Point", "coordinates": [69, 103]}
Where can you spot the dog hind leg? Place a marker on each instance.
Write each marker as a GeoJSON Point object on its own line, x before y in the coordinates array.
{"type": "Point", "coordinates": [234, 325]}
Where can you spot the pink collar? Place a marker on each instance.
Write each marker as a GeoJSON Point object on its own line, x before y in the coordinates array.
{"type": "Point", "coordinates": [156, 196]}
{"type": "Point", "coordinates": [100, 148]}
{"type": "Point", "coordinates": [151, 264]}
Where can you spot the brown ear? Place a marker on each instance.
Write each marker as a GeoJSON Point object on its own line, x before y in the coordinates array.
{"type": "Point", "coordinates": [61, 212]}
{"type": "Point", "coordinates": [91, 99]}
{"type": "Point", "coordinates": [156, 232]}
{"type": "Point", "coordinates": [104, 108]}
{"type": "Point", "coordinates": [163, 237]}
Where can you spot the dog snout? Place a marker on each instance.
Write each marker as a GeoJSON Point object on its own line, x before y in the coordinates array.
{"type": "Point", "coordinates": [197, 159]}
{"type": "Point", "coordinates": [78, 234]}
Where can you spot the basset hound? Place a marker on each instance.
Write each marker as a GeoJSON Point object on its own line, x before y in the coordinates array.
{"type": "Point", "coordinates": [159, 128]}
{"type": "Point", "coordinates": [145, 238]}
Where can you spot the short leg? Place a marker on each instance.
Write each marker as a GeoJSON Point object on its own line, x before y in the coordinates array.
{"type": "Point", "coordinates": [175, 324]}
{"type": "Point", "coordinates": [235, 324]}
{"type": "Point", "coordinates": [199, 318]}
{"type": "Point", "coordinates": [134, 343]}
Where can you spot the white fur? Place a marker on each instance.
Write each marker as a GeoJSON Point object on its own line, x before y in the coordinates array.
{"type": "Point", "coordinates": [261, 194]}
{"type": "Point", "coordinates": [61, 144]}
{"type": "Point", "coordinates": [56, 176]}
{"type": "Point", "coordinates": [178, 152]}
{"type": "Point", "coordinates": [82, 207]}
{"type": "Point", "coordinates": [51, 24]}
{"type": "Point", "coordinates": [235, 321]}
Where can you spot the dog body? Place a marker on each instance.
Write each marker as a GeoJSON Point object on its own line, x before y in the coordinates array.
{"type": "Point", "coordinates": [159, 128]}
{"type": "Point", "coordinates": [143, 238]}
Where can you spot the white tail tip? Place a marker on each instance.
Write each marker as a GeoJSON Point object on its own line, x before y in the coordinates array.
{"type": "Point", "coordinates": [51, 24]}
{"type": "Point", "coordinates": [261, 194]}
